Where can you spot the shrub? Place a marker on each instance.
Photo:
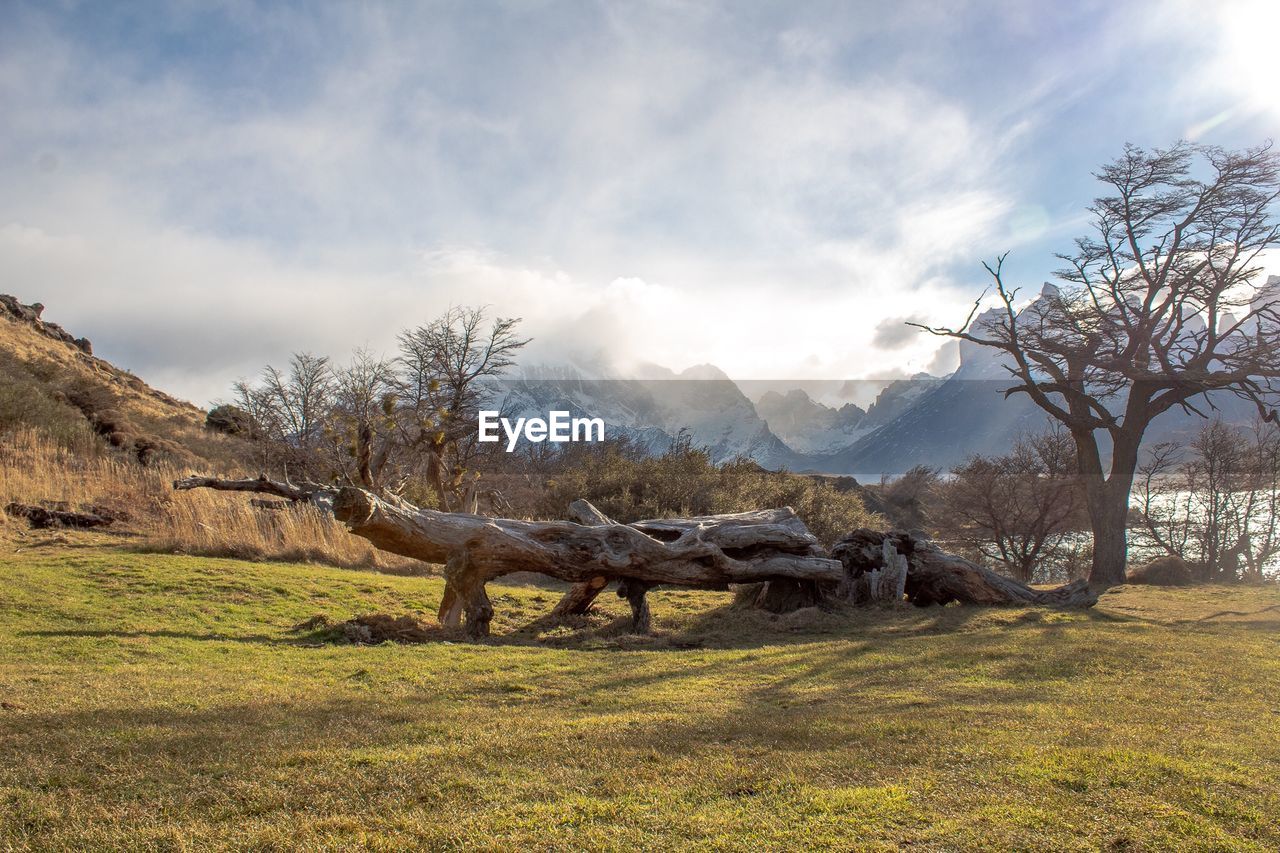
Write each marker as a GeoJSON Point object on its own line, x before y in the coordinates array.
{"type": "Point", "coordinates": [628, 486]}
{"type": "Point", "coordinates": [1169, 570]}
{"type": "Point", "coordinates": [230, 420]}
{"type": "Point", "coordinates": [27, 402]}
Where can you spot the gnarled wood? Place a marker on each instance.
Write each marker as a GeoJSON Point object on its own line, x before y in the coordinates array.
{"type": "Point", "coordinates": [314, 493]}
{"type": "Point", "coordinates": [41, 517]}
{"type": "Point", "coordinates": [634, 592]}
{"type": "Point", "coordinates": [771, 546]}
{"type": "Point", "coordinates": [582, 595]}
{"type": "Point", "coordinates": [882, 582]}
{"type": "Point", "coordinates": [935, 577]}
{"type": "Point", "coordinates": [704, 553]}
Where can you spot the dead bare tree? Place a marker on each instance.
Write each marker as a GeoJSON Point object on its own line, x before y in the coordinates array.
{"type": "Point", "coordinates": [1015, 509]}
{"type": "Point", "coordinates": [289, 410]}
{"type": "Point", "coordinates": [1214, 501]}
{"type": "Point", "coordinates": [380, 423]}
{"type": "Point", "coordinates": [362, 424]}
{"type": "Point", "coordinates": [448, 367]}
{"type": "Point", "coordinates": [1159, 309]}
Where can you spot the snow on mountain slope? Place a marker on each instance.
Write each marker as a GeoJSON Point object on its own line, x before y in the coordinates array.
{"type": "Point", "coordinates": [809, 427]}
{"type": "Point", "coordinates": [653, 410]}
{"type": "Point", "coordinates": [924, 420]}
{"type": "Point", "coordinates": [946, 421]}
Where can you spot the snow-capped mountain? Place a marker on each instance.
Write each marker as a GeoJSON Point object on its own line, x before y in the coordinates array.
{"type": "Point", "coordinates": [946, 421]}
{"type": "Point", "coordinates": [654, 408]}
{"type": "Point", "coordinates": [924, 420]}
{"type": "Point", "coordinates": [809, 427]}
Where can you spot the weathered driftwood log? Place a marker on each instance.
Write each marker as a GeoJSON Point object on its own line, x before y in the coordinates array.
{"type": "Point", "coordinates": [712, 552]}
{"type": "Point", "coordinates": [581, 595]}
{"type": "Point", "coordinates": [881, 582]}
{"type": "Point", "coordinates": [732, 531]}
{"type": "Point", "coordinates": [313, 493]}
{"type": "Point", "coordinates": [933, 576]}
{"type": "Point", "coordinates": [783, 596]}
{"type": "Point", "coordinates": [634, 592]}
{"type": "Point", "coordinates": [704, 553]}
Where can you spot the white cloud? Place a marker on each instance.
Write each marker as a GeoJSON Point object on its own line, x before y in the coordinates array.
{"type": "Point", "coordinates": [671, 183]}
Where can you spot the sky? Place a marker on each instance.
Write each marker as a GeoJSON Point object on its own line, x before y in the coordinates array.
{"type": "Point", "coordinates": [773, 188]}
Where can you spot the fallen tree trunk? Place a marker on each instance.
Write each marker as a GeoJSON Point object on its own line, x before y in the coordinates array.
{"type": "Point", "coordinates": [932, 576]}
{"type": "Point", "coordinates": [582, 595]}
{"type": "Point", "coordinates": [771, 548]}
{"type": "Point", "coordinates": [313, 493]}
{"type": "Point", "coordinates": [703, 553]}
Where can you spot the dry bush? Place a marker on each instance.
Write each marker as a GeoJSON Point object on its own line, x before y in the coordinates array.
{"type": "Point", "coordinates": [627, 486]}
{"type": "Point", "coordinates": [1169, 570]}
{"type": "Point", "coordinates": [35, 470]}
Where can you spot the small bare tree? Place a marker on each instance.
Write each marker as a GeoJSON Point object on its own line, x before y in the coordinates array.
{"type": "Point", "coordinates": [1214, 501]}
{"type": "Point", "coordinates": [1261, 533]}
{"type": "Point", "coordinates": [1159, 309]}
{"type": "Point", "coordinates": [290, 410]}
{"type": "Point", "coordinates": [1015, 510]}
{"type": "Point", "coordinates": [381, 423]}
{"type": "Point", "coordinates": [447, 371]}
{"type": "Point", "coordinates": [362, 425]}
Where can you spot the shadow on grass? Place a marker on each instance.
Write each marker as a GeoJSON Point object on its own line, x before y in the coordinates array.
{"type": "Point", "coordinates": [260, 639]}
{"type": "Point", "coordinates": [723, 628]}
{"type": "Point", "coordinates": [729, 627]}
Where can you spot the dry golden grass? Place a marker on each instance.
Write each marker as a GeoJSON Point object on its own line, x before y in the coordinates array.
{"type": "Point", "coordinates": [137, 398]}
{"type": "Point", "coordinates": [34, 470]}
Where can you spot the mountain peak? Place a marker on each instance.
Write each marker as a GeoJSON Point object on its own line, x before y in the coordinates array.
{"type": "Point", "coordinates": [704, 371]}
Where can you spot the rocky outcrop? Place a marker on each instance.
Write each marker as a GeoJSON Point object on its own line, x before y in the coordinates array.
{"type": "Point", "coordinates": [30, 314]}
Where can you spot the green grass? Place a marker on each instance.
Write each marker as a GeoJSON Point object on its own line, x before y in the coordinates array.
{"type": "Point", "coordinates": [156, 702]}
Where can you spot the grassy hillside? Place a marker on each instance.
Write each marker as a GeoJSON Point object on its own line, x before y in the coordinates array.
{"type": "Point", "coordinates": [87, 404]}
{"type": "Point", "coordinates": [162, 702]}
{"type": "Point", "coordinates": [78, 433]}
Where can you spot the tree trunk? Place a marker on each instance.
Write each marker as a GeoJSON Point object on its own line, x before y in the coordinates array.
{"type": "Point", "coordinates": [634, 592]}
{"type": "Point", "coordinates": [435, 475]}
{"type": "Point", "coordinates": [301, 492]}
{"type": "Point", "coordinates": [703, 553]}
{"type": "Point", "coordinates": [1110, 547]}
{"type": "Point", "coordinates": [1109, 520]}
{"type": "Point", "coordinates": [41, 517]}
{"type": "Point", "coordinates": [710, 552]}
{"type": "Point", "coordinates": [1109, 502]}
{"type": "Point", "coordinates": [932, 576]}
{"type": "Point", "coordinates": [582, 595]}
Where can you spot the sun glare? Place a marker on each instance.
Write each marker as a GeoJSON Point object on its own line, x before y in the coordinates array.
{"type": "Point", "coordinates": [1250, 61]}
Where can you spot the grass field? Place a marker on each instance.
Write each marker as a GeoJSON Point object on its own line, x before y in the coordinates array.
{"type": "Point", "coordinates": [159, 702]}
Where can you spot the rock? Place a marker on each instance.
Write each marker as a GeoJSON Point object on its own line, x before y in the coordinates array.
{"type": "Point", "coordinates": [30, 314]}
